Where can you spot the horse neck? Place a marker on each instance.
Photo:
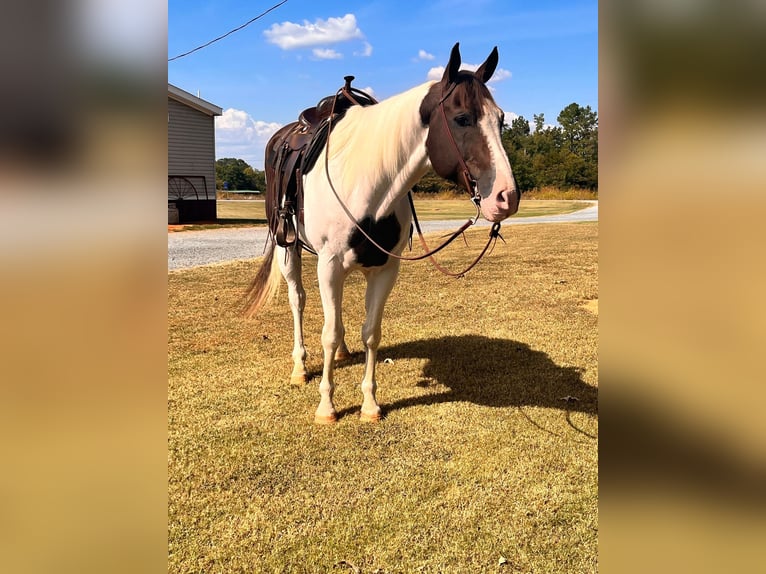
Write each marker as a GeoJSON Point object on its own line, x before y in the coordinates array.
{"type": "Point", "coordinates": [381, 149]}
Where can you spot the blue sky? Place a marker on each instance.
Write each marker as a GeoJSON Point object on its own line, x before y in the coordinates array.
{"type": "Point", "coordinates": [265, 74]}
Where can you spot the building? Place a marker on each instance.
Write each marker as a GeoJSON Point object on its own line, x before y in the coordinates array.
{"type": "Point", "coordinates": [191, 157]}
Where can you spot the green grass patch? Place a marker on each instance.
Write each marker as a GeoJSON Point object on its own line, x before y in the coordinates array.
{"type": "Point", "coordinates": [230, 212]}
{"type": "Point", "coordinates": [479, 457]}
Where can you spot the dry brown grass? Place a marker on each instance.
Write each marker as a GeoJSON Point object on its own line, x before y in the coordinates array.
{"type": "Point", "coordinates": [429, 209]}
{"type": "Point", "coordinates": [543, 193]}
{"type": "Point", "coordinates": [480, 459]}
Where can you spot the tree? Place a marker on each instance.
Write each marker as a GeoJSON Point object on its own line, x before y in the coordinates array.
{"type": "Point", "coordinates": [516, 141]}
{"type": "Point", "coordinates": [563, 156]}
{"type": "Point", "coordinates": [238, 174]}
{"type": "Point", "coordinates": [433, 183]}
{"type": "Point", "coordinates": [578, 125]}
{"type": "Point", "coordinates": [580, 133]}
{"type": "Point", "coordinates": [231, 171]}
{"type": "Point", "coordinates": [519, 128]}
{"type": "Point", "coordinates": [257, 178]}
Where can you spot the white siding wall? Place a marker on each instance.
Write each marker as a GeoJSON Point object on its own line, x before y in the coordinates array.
{"type": "Point", "coordinates": [191, 144]}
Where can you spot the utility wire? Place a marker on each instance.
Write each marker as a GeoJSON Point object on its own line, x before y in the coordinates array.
{"type": "Point", "coordinates": [227, 33]}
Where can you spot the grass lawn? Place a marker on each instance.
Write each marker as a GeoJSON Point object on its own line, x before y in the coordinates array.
{"type": "Point", "coordinates": [486, 460]}
{"type": "Point", "coordinates": [253, 212]}
{"type": "Point", "coordinates": [435, 209]}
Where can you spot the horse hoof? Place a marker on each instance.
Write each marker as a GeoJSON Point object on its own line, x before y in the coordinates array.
{"type": "Point", "coordinates": [325, 419]}
{"type": "Point", "coordinates": [370, 417]}
{"type": "Point", "coordinates": [298, 379]}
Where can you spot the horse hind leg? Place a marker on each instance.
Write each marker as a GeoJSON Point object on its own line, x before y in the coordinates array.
{"type": "Point", "coordinates": [331, 277]}
{"type": "Point", "coordinates": [290, 264]}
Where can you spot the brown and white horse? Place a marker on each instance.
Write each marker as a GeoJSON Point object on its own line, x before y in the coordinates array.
{"type": "Point", "coordinates": [376, 155]}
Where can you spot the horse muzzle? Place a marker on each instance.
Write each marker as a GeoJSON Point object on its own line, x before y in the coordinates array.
{"type": "Point", "coordinates": [501, 205]}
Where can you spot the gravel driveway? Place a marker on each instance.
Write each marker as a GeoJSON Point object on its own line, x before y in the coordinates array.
{"type": "Point", "coordinates": [194, 248]}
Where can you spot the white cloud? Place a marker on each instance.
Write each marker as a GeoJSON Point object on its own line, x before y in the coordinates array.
{"type": "Point", "coordinates": [499, 75]}
{"type": "Point", "coordinates": [435, 73]}
{"type": "Point", "coordinates": [423, 55]}
{"type": "Point", "coordinates": [366, 50]}
{"type": "Point", "coordinates": [369, 90]}
{"type": "Point", "coordinates": [289, 35]}
{"type": "Point", "coordinates": [510, 116]}
{"type": "Point", "coordinates": [238, 135]}
{"type": "Point", "coordinates": [326, 54]}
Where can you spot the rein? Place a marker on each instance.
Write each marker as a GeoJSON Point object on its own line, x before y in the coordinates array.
{"type": "Point", "coordinates": [471, 186]}
{"type": "Point", "coordinates": [494, 233]}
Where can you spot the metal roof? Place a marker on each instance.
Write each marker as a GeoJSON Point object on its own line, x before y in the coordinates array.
{"type": "Point", "coordinates": [193, 101]}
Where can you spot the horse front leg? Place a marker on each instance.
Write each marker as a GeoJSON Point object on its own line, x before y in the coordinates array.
{"type": "Point", "coordinates": [380, 282]}
{"type": "Point", "coordinates": [331, 277]}
{"type": "Point", "coordinates": [290, 264]}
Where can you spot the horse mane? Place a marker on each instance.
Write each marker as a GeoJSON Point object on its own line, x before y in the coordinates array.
{"type": "Point", "coordinates": [382, 138]}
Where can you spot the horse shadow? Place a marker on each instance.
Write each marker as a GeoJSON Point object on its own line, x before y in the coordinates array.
{"type": "Point", "coordinates": [489, 372]}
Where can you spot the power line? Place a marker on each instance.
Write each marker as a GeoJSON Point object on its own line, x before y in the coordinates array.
{"type": "Point", "coordinates": [227, 33]}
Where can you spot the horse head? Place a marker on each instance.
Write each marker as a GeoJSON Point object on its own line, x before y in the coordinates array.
{"type": "Point", "coordinates": [464, 142]}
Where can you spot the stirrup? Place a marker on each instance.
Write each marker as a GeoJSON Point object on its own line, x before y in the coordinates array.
{"type": "Point", "coordinates": [286, 235]}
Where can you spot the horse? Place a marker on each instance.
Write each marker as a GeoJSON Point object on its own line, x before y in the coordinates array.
{"type": "Point", "coordinates": [355, 214]}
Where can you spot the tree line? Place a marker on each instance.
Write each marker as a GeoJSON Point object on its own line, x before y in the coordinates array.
{"type": "Point", "coordinates": [232, 174]}
{"type": "Point", "coordinates": [563, 156]}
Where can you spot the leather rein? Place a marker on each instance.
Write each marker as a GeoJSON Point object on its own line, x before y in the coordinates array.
{"type": "Point", "coordinates": [468, 180]}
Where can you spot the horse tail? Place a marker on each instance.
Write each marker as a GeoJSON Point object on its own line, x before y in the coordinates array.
{"type": "Point", "coordinates": [265, 284]}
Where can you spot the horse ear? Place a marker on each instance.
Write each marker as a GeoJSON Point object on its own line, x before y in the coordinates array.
{"type": "Point", "coordinates": [453, 67]}
{"type": "Point", "coordinates": [485, 71]}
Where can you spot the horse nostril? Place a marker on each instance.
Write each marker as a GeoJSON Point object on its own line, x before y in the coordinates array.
{"type": "Point", "coordinates": [508, 199]}
{"type": "Point", "coordinates": [504, 199]}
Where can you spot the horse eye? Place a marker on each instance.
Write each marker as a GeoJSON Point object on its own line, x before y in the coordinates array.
{"type": "Point", "coordinates": [463, 120]}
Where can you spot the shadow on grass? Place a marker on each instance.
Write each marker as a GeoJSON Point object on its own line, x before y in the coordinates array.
{"type": "Point", "coordinates": [489, 372]}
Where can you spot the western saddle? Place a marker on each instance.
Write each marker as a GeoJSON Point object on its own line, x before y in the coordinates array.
{"type": "Point", "coordinates": [292, 152]}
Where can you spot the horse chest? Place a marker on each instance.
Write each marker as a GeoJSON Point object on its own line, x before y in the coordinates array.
{"type": "Point", "coordinates": [386, 232]}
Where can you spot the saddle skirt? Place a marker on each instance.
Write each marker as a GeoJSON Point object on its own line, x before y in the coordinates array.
{"type": "Point", "coordinates": [293, 151]}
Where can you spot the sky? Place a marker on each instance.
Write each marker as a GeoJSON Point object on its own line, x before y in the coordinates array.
{"type": "Point", "coordinates": [266, 73]}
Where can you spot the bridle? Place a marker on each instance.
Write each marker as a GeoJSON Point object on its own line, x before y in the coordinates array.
{"type": "Point", "coordinates": [471, 185]}
{"type": "Point", "coordinates": [470, 182]}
